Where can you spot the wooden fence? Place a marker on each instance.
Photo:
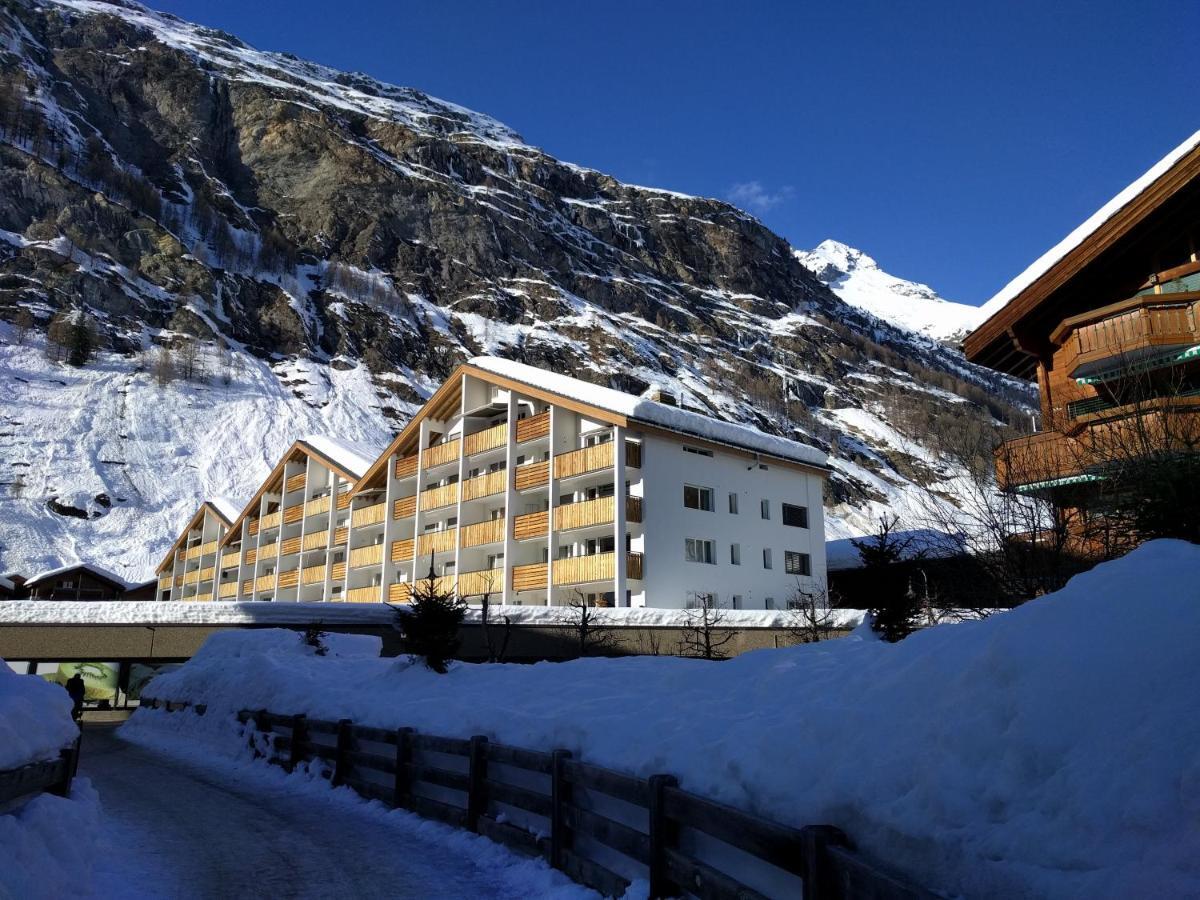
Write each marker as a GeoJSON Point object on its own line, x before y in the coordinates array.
{"type": "Point", "coordinates": [53, 776]}
{"type": "Point", "coordinates": [600, 827]}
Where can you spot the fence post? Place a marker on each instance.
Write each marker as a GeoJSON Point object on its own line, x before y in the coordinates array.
{"type": "Point", "coordinates": [664, 834]}
{"type": "Point", "coordinates": [340, 762]}
{"type": "Point", "coordinates": [820, 880]}
{"type": "Point", "coordinates": [298, 729]}
{"type": "Point", "coordinates": [476, 781]}
{"type": "Point", "coordinates": [560, 796]}
{"type": "Point", "coordinates": [69, 756]}
{"type": "Point", "coordinates": [402, 784]}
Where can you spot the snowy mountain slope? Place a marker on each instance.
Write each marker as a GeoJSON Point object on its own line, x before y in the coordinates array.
{"type": "Point", "coordinates": [343, 244]}
{"type": "Point", "coordinates": [857, 279]}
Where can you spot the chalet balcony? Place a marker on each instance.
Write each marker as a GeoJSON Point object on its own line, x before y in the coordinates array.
{"type": "Point", "coordinates": [229, 560]}
{"type": "Point", "coordinates": [532, 525]}
{"type": "Point", "coordinates": [532, 475]}
{"type": "Point", "coordinates": [1036, 459]}
{"type": "Point", "coordinates": [316, 541]}
{"type": "Point", "coordinates": [488, 439]}
{"type": "Point", "coordinates": [532, 428]}
{"type": "Point", "coordinates": [367, 515]}
{"type": "Point", "coordinates": [312, 574]}
{"type": "Point", "coordinates": [595, 512]}
{"type": "Point", "coordinates": [295, 483]}
{"type": "Point", "coordinates": [438, 497]}
{"type": "Point", "coordinates": [317, 506]}
{"type": "Point", "coordinates": [485, 485]}
{"type": "Point", "coordinates": [369, 594]}
{"type": "Point", "coordinates": [406, 467]}
{"type": "Point", "coordinates": [402, 551]}
{"type": "Point", "coordinates": [441, 454]}
{"type": "Point", "coordinates": [371, 555]}
{"type": "Point", "coordinates": [404, 508]}
{"type": "Point", "coordinates": [227, 590]}
{"type": "Point", "coordinates": [1137, 334]}
{"type": "Point", "coordinates": [489, 532]}
{"type": "Point", "coordinates": [201, 550]}
{"type": "Point", "coordinates": [437, 542]}
{"type": "Point", "coordinates": [594, 459]}
{"type": "Point", "coordinates": [164, 583]}
{"type": "Point", "coordinates": [576, 570]}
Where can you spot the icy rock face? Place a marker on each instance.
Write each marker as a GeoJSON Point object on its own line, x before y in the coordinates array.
{"type": "Point", "coordinates": [318, 223]}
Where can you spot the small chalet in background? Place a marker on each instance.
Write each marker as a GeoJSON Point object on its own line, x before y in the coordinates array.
{"type": "Point", "coordinates": [79, 582]}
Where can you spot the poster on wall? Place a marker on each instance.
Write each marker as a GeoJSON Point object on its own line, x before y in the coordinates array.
{"type": "Point", "coordinates": [99, 679]}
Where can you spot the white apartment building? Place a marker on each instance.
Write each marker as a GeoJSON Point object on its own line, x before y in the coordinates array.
{"type": "Point", "coordinates": [535, 488]}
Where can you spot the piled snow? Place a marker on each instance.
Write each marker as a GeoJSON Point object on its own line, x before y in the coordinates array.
{"type": "Point", "coordinates": [651, 412]}
{"type": "Point", "coordinates": [49, 846]}
{"type": "Point", "coordinates": [1043, 263]}
{"type": "Point", "coordinates": [857, 279]}
{"type": "Point", "coordinates": [227, 508]}
{"type": "Point", "coordinates": [91, 567]}
{"type": "Point", "coordinates": [150, 612]}
{"type": "Point", "coordinates": [1051, 751]}
{"type": "Point", "coordinates": [354, 457]}
{"type": "Point", "coordinates": [35, 719]}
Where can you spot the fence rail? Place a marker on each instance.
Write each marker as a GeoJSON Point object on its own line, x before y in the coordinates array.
{"type": "Point", "coordinates": [600, 827]}
{"type": "Point", "coordinates": [53, 776]}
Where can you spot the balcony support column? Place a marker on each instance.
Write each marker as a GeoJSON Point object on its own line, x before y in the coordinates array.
{"type": "Point", "coordinates": [462, 471]}
{"type": "Point", "coordinates": [620, 570]}
{"type": "Point", "coordinates": [552, 505]}
{"type": "Point", "coordinates": [387, 570]}
{"type": "Point", "coordinates": [510, 500]}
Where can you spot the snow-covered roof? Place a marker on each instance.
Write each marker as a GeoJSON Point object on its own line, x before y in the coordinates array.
{"type": "Point", "coordinates": [1043, 263]}
{"type": "Point", "coordinates": [354, 457]}
{"type": "Point", "coordinates": [96, 570]}
{"type": "Point", "coordinates": [651, 412]}
{"type": "Point", "coordinates": [841, 554]}
{"type": "Point", "coordinates": [228, 509]}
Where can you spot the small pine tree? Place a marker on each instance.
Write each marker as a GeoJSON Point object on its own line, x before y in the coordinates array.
{"type": "Point", "coordinates": [82, 341]}
{"type": "Point", "coordinates": [314, 637]}
{"type": "Point", "coordinates": [430, 622]}
{"type": "Point", "coordinates": [22, 323]}
{"type": "Point", "coordinates": [897, 610]}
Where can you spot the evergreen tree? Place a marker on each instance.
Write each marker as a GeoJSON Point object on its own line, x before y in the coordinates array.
{"type": "Point", "coordinates": [430, 622]}
{"type": "Point", "coordinates": [896, 612]}
{"type": "Point", "coordinates": [81, 341]}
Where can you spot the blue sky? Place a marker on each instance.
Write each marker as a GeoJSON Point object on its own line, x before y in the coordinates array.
{"type": "Point", "coordinates": [954, 142]}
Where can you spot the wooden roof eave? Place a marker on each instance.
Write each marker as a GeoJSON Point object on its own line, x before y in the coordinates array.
{"type": "Point", "coordinates": [197, 517]}
{"type": "Point", "coordinates": [978, 343]}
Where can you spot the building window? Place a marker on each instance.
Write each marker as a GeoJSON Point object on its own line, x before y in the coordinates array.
{"type": "Point", "coordinates": [597, 437]}
{"type": "Point", "coordinates": [697, 451]}
{"type": "Point", "coordinates": [700, 550]}
{"type": "Point", "coordinates": [769, 603]}
{"type": "Point", "coordinates": [735, 601]}
{"type": "Point", "coordinates": [698, 497]}
{"type": "Point", "coordinates": [765, 508]}
{"type": "Point", "coordinates": [766, 557]}
{"type": "Point", "coordinates": [796, 516]}
{"type": "Point", "coordinates": [796, 563]}
{"type": "Point", "coordinates": [735, 554]}
{"type": "Point", "coordinates": [701, 600]}
{"type": "Point", "coordinates": [733, 507]}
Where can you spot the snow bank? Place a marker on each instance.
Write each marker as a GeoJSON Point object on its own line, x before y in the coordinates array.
{"type": "Point", "coordinates": [35, 719]}
{"type": "Point", "coordinates": [1050, 751]}
{"type": "Point", "coordinates": [48, 847]}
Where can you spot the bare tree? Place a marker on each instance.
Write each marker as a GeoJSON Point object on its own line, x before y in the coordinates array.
{"type": "Point", "coordinates": [705, 632]}
{"type": "Point", "coordinates": [495, 651]}
{"type": "Point", "coordinates": [22, 323]}
{"type": "Point", "coordinates": [163, 366]}
{"type": "Point", "coordinates": [811, 616]}
{"type": "Point", "coordinates": [587, 629]}
{"type": "Point", "coordinates": [17, 486]}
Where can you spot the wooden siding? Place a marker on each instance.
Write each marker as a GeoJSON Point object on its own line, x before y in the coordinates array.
{"type": "Point", "coordinates": [363, 594]}
{"type": "Point", "coordinates": [339, 571]}
{"type": "Point", "coordinates": [595, 512]}
{"type": "Point", "coordinates": [289, 579]}
{"type": "Point", "coordinates": [294, 483]}
{"type": "Point", "coordinates": [533, 428]}
{"type": "Point", "coordinates": [290, 546]}
{"type": "Point", "coordinates": [488, 439]}
{"type": "Point", "coordinates": [229, 589]}
{"type": "Point", "coordinates": [316, 540]}
{"type": "Point", "coordinates": [484, 485]}
{"type": "Point", "coordinates": [312, 574]}
{"type": "Point", "coordinates": [404, 508]}
{"type": "Point", "coordinates": [532, 475]}
{"type": "Point", "coordinates": [229, 560]}
{"type": "Point", "coordinates": [371, 555]}
{"type": "Point", "coordinates": [587, 459]}
{"type": "Point", "coordinates": [597, 567]}
{"type": "Point", "coordinates": [531, 525]}
{"type": "Point", "coordinates": [367, 515]}
{"type": "Point", "coordinates": [406, 466]}
{"type": "Point", "coordinates": [271, 520]}
{"type": "Point", "coordinates": [530, 577]}
{"type": "Point", "coordinates": [317, 506]}
{"type": "Point", "coordinates": [480, 533]}
{"type": "Point", "coordinates": [437, 541]}
{"type": "Point", "coordinates": [340, 536]}
{"type": "Point", "coordinates": [399, 592]}
{"type": "Point", "coordinates": [402, 550]}
{"type": "Point", "coordinates": [436, 498]}
{"type": "Point", "coordinates": [441, 454]}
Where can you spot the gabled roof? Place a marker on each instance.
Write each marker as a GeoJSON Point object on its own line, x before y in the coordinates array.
{"type": "Point", "coordinates": [1070, 255]}
{"type": "Point", "coordinates": [347, 458]}
{"type": "Point", "coordinates": [600, 403]}
{"type": "Point", "coordinates": [222, 507]}
{"type": "Point", "coordinates": [95, 571]}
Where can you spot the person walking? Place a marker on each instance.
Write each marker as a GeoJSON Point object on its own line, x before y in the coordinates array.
{"type": "Point", "coordinates": [76, 690]}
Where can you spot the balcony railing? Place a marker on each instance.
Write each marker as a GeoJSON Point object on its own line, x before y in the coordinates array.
{"type": "Point", "coordinates": [531, 525]}
{"type": "Point", "coordinates": [367, 515]}
{"type": "Point", "coordinates": [228, 589]}
{"type": "Point", "coordinates": [251, 557]}
{"type": "Point", "coordinates": [1127, 332]}
{"type": "Point", "coordinates": [338, 572]}
{"type": "Point", "coordinates": [402, 551]}
{"type": "Point", "coordinates": [295, 483]}
{"type": "Point", "coordinates": [368, 594]}
{"type": "Point", "coordinates": [164, 582]}
{"type": "Point", "coordinates": [202, 550]}
{"type": "Point", "coordinates": [317, 540]}
{"type": "Point", "coordinates": [229, 560]}
{"type": "Point", "coordinates": [1036, 459]}
{"type": "Point", "coordinates": [529, 578]}
{"type": "Point", "coordinates": [271, 520]}
{"type": "Point", "coordinates": [587, 459]}
{"type": "Point", "coordinates": [484, 485]}
{"type": "Point", "coordinates": [404, 508]}
{"type": "Point", "coordinates": [437, 541]}
{"type": "Point", "coordinates": [481, 533]}
{"type": "Point", "coordinates": [436, 498]}
{"type": "Point", "coordinates": [400, 592]}
{"type": "Point", "coordinates": [312, 574]}
{"type": "Point", "coordinates": [371, 555]}
{"type": "Point", "coordinates": [488, 439]}
{"type": "Point", "coordinates": [290, 546]}
{"type": "Point", "coordinates": [467, 584]}
{"type": "Point", "coordinates": [441, 454]}
{"type": "Point", "coordinates": [406, 466]}
{"type": "Point", "coordinates": [595, 512]}
{"type": "Point", "coordinates": [340, 536]}
{"type": "Point", "coordinates": [290, 578]}
{"type": "Point", "coordinates": [533, 428]}
{"type": "Point", "coordinates": [597, 567]}
{"type": "Point", "coordinates": [317, 506]}
{"type": "Point", "coordinates": [532, 475]}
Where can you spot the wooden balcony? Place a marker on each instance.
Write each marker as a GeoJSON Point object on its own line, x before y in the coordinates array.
{"type": "Point", "coordinates": [595, 512]}
{"type": "Point", "coordinates": [252, 527]}
{"type": "Point", "coordinates": [402, 551]}
{"type": "Point", "coordinates": [438, 497]}
{"type": "Point", "coordinates": [488, 439]}
{"type": "Point", "coordinates": [367, 515]}
{"type": "Point", "coordinates": [295, 483]}
{"type": "Point", "coordinates": [208, 574]}
{"type": "Point", "coordinates": [532, 475]}
{"type": "Point", "coordinates": [533, 428]}
{"type": "Point", "coordinates": [400, 592]}
{"type": "Point", "coordinates": [271, 520]}
{"type": "Point", "coordinates": [489, 532]}
{"type": "Point", "coordinates": [316, 541]}
{"type": "Point", "coordinates": [484, 485]}
{"type": "Point", "coordinates": [340, 536]}
{"type": "Point", "coordinates": [529, 578]}
{"type": "Point", "coordinates": [290, 546]}
{"type": "Point", "coordinates": [289, 579]}
{"type": "Point", "coordinates": [312, 574]}
{"type": "Point", "coordinates": [229, 589]}
{"type": "Point", "coordinates": [368, 594]}
{"type": "Point", "coordinates": [248, 586]}
{"type": "Point", "coordinates": [164, 583]}
{"type": "Point", "coordinates": [532, 525]}
{"type": "Point", "coordinates": [191, 577]}
{"type": "Point", "coordinates": [264, 583]}
{"type": "Point", "coordinates": [251, 557]}
{"type": "Point", "coordinates": [229, 560]}
{"type": "Point", "coordinates": [437, 542]}
{"type": "Point", "coordinates": [178, 581]}
{"type": "Point", "coordinates": [405, 508]}
{"type": "Point", "coordinates": [1126, 333]}
{"type": "Point", "coordinates": [481, 581]}
{"type": "Point", "coordinates": [1035, 459]}
{"type": "Point", "coordinates": [371, 555]}
{"type": "Point", "coordinates": [597, 567]}
{"type": "Point", "coordinates": [441, 454]}
{"type": "Point", "coordinates": [406, 467]}
{"type": "Point", "coordinates": [338, 574]}
{"type": "Point", "coordinates": [317, 506]}
{"type": "Point", "coordinates": [201, 550]}
{"type": "Point", "coordinates": [587, 459]}
{"type": "Point", "coordinates": [343, 500]}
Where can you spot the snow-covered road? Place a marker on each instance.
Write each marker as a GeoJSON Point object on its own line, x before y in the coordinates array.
{"type": "Point", "coordinates": [176, 829]}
